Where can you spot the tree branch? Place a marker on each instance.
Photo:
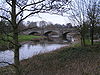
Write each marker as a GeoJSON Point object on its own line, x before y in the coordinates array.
{"type": "Point", "coordinates": [5, 10]}
{"type": "Point", "coordinates": [8, 3]}
{"type": "Point", "coordinates": [28, 5]}
{"type": "Point", "coordinates": [6, 19]}
{"type": "Point", "coordinates": [31, 14]}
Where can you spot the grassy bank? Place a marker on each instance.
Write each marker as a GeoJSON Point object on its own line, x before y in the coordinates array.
{"type": "Point", "coordinates": [27, 37]}
{"type": "Point", "coordinates": [87, 43]}
{"type": "Point", "coordinates": [22, 38]}
{"type": "Point", "coordinates": [65, 61]}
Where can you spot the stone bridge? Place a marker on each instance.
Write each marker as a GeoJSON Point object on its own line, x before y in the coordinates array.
{"type": "Point", "coordinates": [49, 32]}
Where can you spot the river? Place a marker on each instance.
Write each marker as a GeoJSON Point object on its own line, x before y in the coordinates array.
{"type": "Point", "coordinates": [28, 50]}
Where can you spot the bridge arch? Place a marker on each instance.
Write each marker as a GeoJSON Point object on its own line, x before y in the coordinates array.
{"type": "Point", "coordinates": [34, 33]}
{"type": "Point", "coordinates": [50, 32]}
{"type": "Point", "coordinates": [64, 35]}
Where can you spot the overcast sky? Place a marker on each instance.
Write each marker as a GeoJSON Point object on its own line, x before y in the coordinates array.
{"type": "Point", "coordinates": [54, 18]}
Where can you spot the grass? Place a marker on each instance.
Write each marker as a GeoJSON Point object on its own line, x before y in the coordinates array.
{"type": "Point", "coordinates": [27, 37]}
{"type": "Point", "coordinates": [87, 41]}
{"type": "Point", "coordinates": [21, 38]}
{"type": "Point", "coordinates": [65, 61]}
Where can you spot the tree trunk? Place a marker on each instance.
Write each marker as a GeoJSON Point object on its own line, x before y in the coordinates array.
{"type": "Point", "coordinates": [15, 38]}
{"type": "Point", "coordinates": [16, 53]}
{"type": "Point", "coordinates": [82, 41]}
{"type": "Point", "coordinates": [82, 38]}
{"type": "Point", "coordinates": [91, 34]}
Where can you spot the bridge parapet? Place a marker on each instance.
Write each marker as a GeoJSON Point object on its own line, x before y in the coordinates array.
{"type": "Point", "coordinates": [57, 30]}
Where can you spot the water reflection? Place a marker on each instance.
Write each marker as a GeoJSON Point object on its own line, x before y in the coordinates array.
{"type": "Point", "coordinates": [28, 50]}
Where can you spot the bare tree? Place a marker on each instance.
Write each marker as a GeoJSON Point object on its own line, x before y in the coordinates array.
{"type": "Point", "coordinates": [93, 13]}
{"type": "Point", "coordinates": [17, 11]}
{"type": "Point", "coordinates": [82, 11]}
{"type": "Point", "coordinates": [78, 14]}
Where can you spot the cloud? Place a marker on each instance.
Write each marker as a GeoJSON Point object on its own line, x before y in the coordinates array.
{"type": "Point", "coordinates": [54, 18]}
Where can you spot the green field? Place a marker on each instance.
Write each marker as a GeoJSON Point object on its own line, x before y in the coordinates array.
{"type": "Point", "coordinates": [22, 38]}
{"type": "Point", "coordinates": [27, 37]}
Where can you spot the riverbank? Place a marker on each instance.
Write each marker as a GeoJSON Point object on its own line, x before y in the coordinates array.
{"type": "Point", "coordinates": [64, 61]}
{"type": "Point", "coordinates": [22, 38]}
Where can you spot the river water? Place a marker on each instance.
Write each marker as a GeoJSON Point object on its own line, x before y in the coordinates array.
{"type": "Point", "coordinates": [27, 51]}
